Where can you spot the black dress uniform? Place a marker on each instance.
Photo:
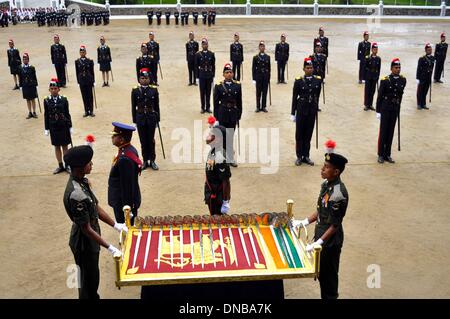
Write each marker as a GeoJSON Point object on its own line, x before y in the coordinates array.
{"type": "Point", "coordinates": [83, 18]}
{"type": "Point", "coordinates": [167, 14]}
{"type": "Point", "coordinates": [210, 18]}
{"type": "Point", "coordinates": [236, 57]}
{"type": "Point", "coordinates": [84, 68]}
{"type": "Point", "coordinates": [195, 17]}
{"type": "Point", "coordinates": [123, 186]}
{"type": "Point", "coordinates": [282, 57]}
{"type": "Point", "coordinates": [153, 50]}
{"type": "Point", "coordinates": [424, 73]}
{"type": "Point", "coordinates": [104, 58]}
{"type": "Point", "coordinates": [28, 82]}
{"type": "Point", "coordinates": [261, 74]}
{"type": "Point", "coordinates": [205, 66]}
{"type": "Point", "coordinates": [192, 48]}
{"type": "Point", "coordinates": [98, 18]}
{"type": "Point", "coordinates": [150, 17]}
{"type": "Point", "coordinates": [146, 115]}
{"type": "Point", "coordinates": [176, 14]}
{"type": "Point", "coordinates": [323, 42]}
{"type": "Point", "coordinates": [204, 16]}
{"type": "Point", "coordinates": [363, 51]}
{"type": "Point", "coordinates": [305, 104]}
{"type": "Point", "coordinates": [388, 105]}
{"type": "Point", "coordinates": [57, 119]}
{"type": "Point", "coordinates": [145, 62]}
{"type": "Point", "coordinates": [186, 18]}
{"type": "Point", "coordinates": [59, 59]}
{"type": "Point", "coordinates": [440, 53]}
{"type": "Point", "coordinates": [14, 60]}
{"type": "Point", "coordinates": [373, 66]}
{"type": "Point", "coordinates": [158, 17]}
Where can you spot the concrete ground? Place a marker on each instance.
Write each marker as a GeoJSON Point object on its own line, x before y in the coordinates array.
{"type": "Point", "coordinates": [397, 218]}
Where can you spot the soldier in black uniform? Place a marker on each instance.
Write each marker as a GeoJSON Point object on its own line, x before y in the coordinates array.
{"type": "Point", "coordinates": [158, 17]}
{"type": "Point", "coordinates": [176, 14]}
{"type": "Point", "coordinates": [424, 73]}
{"type": "Point", "coordinates": [84, 211]}
{"type": "Point", "coordinates": [59, 60]}
{"type": "Point", "coordinates": [388, 109]}
{"type": "Point", "coordinates": [228, 107]}
{"type": "Point", "coordinates": [123, 186]}
{"type": "Point", "coordinates": [210, 18]}
{"type": "Point", "coordinates": [236, 57]}
{"type": "Point", "coordinates": [28, 84]}
{"type": "Point", "coordinates": [153, 52]}
{"type": "Point", "coordinates": [440, 53]}
{"type": "Point", "coordinates": [281, 58]}
{"type": "Point", "coordinates": [98, 18]}
{"type": "Point", "coordinates": [146, 115]}
{"type": "Point", "coordinates": [182, 17]}
{"type": "Point", "coordinates": [323, 41]}
{"type": "Point", "coordinates": [84, 69]}
{"type": "Point", "coordinates": [144, 62]}
{"type": "Point", "coordinates": [205, 67]}
{"type": "Point", "coordinates": [167, 14]}
{"type": "Point", "coordinates": [14, 62]}
{"type": "Point", "coordinates": [192, 48]}
{"type": "Point", "coordinates": [319, 61]}
{"type": "Point", "coordinates": [261, 77]}
{"type": "Point", "coordinates": [217, 170]}
{"type": "Point", "coordinates": [305, 104]}
{"type": "Point", "coordinates": [204, 16]}
{"type": "Point", "coordinates": [57, 123]}
{"type": "Point", "coordinates": [150, 17]}
{"type": "Point", "coordinates": [213, 16]}
{"type": "Point", "coordinates": [363, 51]}
{"type": "Point", "coordinates": [329, 234]}
{"type": "Point", "coordinates": [195, 17]}
{"type": "Point", "coordinates": [83, 18]}
{"type": "Point", "coordinates": [373, 66]}
{"type": "Point", "coordinates": [104, 60]}
{"type": "Point", "coordinates": [186, 18]}
{"type": "Point", "coordinates": [106, 15]}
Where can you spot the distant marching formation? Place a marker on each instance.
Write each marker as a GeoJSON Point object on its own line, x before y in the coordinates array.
{"type": "Point", "coordinates": [183, 16]}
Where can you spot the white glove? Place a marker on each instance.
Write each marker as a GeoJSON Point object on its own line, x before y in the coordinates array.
{"type": "Point", "coordinates": [225, 207]}
{"type": "Point", "coordinates": [134, 124]}
{"type": "Point", "coordinates": [297, 223]}
{"type": "Point", "coordinates": [113, 250]}
{"type": "Point", "coordinates": [94, 83]}
{"type": "Point", "coordinates": [323, 80]}
{"type": "Point", "coordinates": [46, 132]}
{"type": "Point", "coordinates": [254, 82]}
{"type": "Point", "coordinates": [293, 118]}
{"type": "Point", "coordinates": [418, 81]}
{"type": "Point", "coordinates": [276, 61]}
{"type": "Point", "coordinates": [119, 227]}
{"type": "Point", "coordinates": [378, 116]}
{"type": "Point", "coordinates": [71, 131]}
{"type": "Point", "coordinates": [310, 247]}
{"type": "Point", "coordinates": [242, 62]}
{"type": "Point", "coordinates": [197, 81]}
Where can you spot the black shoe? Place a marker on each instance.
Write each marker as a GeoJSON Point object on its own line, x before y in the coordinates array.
{"type": "Point", "coordinates": [284, 82]}
{"type": "Point", "coordinates": [389, 159]}
{"type": "Point", "coordinates": [104, 84]}
{"type": "Point", "coordinates": [426, 107]}
{"type": "Point", "coordinates": [319, 110]}
{"type": "Point", "coordinates": [16, 87]}
{"type": "Point", "coordinates": [58, 170]}
{"type": "Point", "coordinates": [154, 166]}
{"type": "Point", "coordinates": [419, 107]}
{"type": "Point", "coordinates": [68, 170]}
{"type": "Point", "coordinates": [195, 84]}
{"type": "Point", "coordinates": [208, 111]}
{"type": "Point", "coordinates": [371, 108]}
{"type": "Point", "coordinates": [145, 166]}
{"type": "Point", "coordinates": [257, 110]}
{"type": "Point", "coordinates": [265, 110]}
{"type": "Point", "coordinates": [35, 115]}
{"type": "Point", "coordinates": [308, 161]}
{"type": "Point", "coordinates": [64, 86]}
{"type": "Point", "coordinates": [29, 116]}
{"type": "Point", "coordinates": [438, 81]}
{"type": "Point", "coordinates": [360, 82]}
{"type": "Point", "coordinates": [298, 162]}
{"type": "Point", "coordinates": [366, 108]}
{"type": "Point", "coordinates": [380, 159]}
{"type": "Point", "coordinates": [202, 111]}
{"type": "Point", "coordinates": [92, 115]}
{"type": "Point", "coordinates": [233, 164]}
{"type": "Point", "coordinates": [107, 83]}
{"type": "Point", "coordinates": [189, 84]}
{"type": "Point", "coordinates": [85, 115]}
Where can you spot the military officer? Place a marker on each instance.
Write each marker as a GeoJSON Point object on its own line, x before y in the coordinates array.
{"type": "Point", "coordinates": [84, 69]}
{"type": "Point", "coordinates": [205, 67]}
{"type": "Point", "coordinates": [373, 66]}
{"type": "Point", "coordinates": [145, 114]}
{"type": "Point", "coordinates": [104, 60]}
{"type": "Point", "coordinates": [28, 84]}
{"type": "Point", "coordinates": [228, 107]}
{"type": "Point", "coordinates": [144, 62]}
{"type": "Point", "coordinates": [424, 72]}
{"type": "Point", "coordinates": [281, 57]}
{"type": "Point", "coordinates": [98, 18]}
{"type": "Point", "coordinates": [123, 186]}
{"type": "Point", "coordinates": [204, 16]}
{"type": "Point", "coordinates": [158, 17]}
{"type": "Point", "coordinates": [150, 17]}
{"type": "Point", "coordinates": [59, 60]}
{"type": "Point", "coordinates": [167, 14]}
{"type": "Point", "coordinates": [84, 211]}
{"type": "Point", "coordinates": [186, 18]}
{"type": "Point", "coordinates": [305, 104]}
{"type": "Point", "coordinates": [323, 41]}
{"type": "Point", "coordinates": [261, 77]}
{"type": "Point", "coordinates": [176, 14]}
{"type": "Point", "coordinates": [236, 57]}
{"type": "Point", "coordinates": [363, 51]}
{"type": "Point", "coordinates": [195, 17]}
{"type": "Point", "coordinates": [217, 170]}
{"type": "Point", "coordinates": [57, 123]}
{"type": "Point", "coordinates": [213, 16]}
{"type": "Point", "coordinates": [192, 48]}
{"type": "Point", "coordinates": [14, 62]}
{"type": "Point", "coordinates": [210, 18]}
{"type": "Point", "coordinates": [389, 100]}
{"type": "Point", "coordinates": [440, 53]}
{"type": "Point", "coordinates": [329, 234]}
{"type": "Point", "coordinates": [153, 52]}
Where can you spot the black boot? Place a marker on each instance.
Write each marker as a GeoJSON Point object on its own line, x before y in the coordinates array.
{"type": "Point", "coordinates": [145, 166]}
{"type": "Point", "coordinates": [380, 159]}
{"type": "Point", "coordinates": [308, 161]}
{"type": "Point", "coordinates": [59, 169]}
{"type": "Point", "coordinates": [29, 116]}
{"type": "Point", "coordinates": [154, 166]}
{"type": "Point", "coordinates": [298, 162]}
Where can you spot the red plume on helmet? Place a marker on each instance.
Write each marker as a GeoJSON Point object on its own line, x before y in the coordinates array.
{"type": "Point", "coordinates": [90, 140]}
{"type": "Point", "coordinates": [330, 145]}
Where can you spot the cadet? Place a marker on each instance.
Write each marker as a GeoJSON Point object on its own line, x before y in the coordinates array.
{"type": "Point", "coordinates": [210, 18]}
{"type": "Point", "coordinates": [57, 123]}
{"type": "Point", "coordinates": [228, 107]}
{"type": "Point", "coordinates": [205, 67]}
{"type": "Point", "coordinates": [213, 16]}
{"type": "Point", "coordinates": [59, 60]}
{"type": "Point", "coordinates": [331, 208]}
{"type": "Point", "coordinates": [281, 58]}
{"type": "Point", "coordinates": [176, 14]}
{"type": "Point", "coordinates": [144, 62]}
{"type": "Point", "coordinates": [146, 116]}
{"type": "Point", "coordinates": [84, 69]}
{"type": "Point", "coordinates": [186, 18]}
{"type": "Point", "coordinates": [158, 17]}
{"type": "Point", "coordinates": [98, 18]}
{"type": "Point", "coordinates": [261, 77]}
{"type": "Point", "coordinates": [363, 51]}
{"type": "Point", "coordinates": [236, 57]}
{"type": "Point", "coordinates": [153, 52]}
{"type": "Point", "coordinates": [323, 41]}
{"type": "Point", "coordinates": [305, 104]}
{"type": "Point", "coordinates": [104, 60]}
{"type": "Point", "coordinates": [217, 170]}
{"type": "Point", "coordinates": [83, 18]}
{"type": "Point", "coordinates": [182, 17]}
{"type": "Point", "coordinates": [28, 84]}
{"type": "Point", "coordinates": [388, 109]}
{"type": "Point", "coordinates": [195, 17]}
{"type": "Point", "coordinates": [192, 48]}
{"type": "Point", "coordinates": [123, 186]}
{"type": "Point", "coordinates": [204, 16]}
{"type": "Point", "coordinates": [84, 211]}
{"type": "Point", "coordinates": [167, 14]}
{"type": "Point", "coordinates": [373, 65]}
{"type": "Point", "coordinates": [440, 53]}
{"type": "Point", "coordinates": [424, 72]}
{"type": "Point", "coordinates": [319, 62]}
{"type": "Point", "coordinates": [150, 17]}
{"type": "Point", "coordinates": [14, 62]}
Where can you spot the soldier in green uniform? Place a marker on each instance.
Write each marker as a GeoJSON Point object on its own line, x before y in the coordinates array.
{"type": "Point", "coordinates": [331, 208]}
{"type": "Point", "coordinates": [84, 211]}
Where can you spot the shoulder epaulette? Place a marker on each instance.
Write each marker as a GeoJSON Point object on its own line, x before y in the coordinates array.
{"type": "Point", "coordinates": [63, 96]}
{"type": "Point", "coordinates": [385, 78]}
{"type": "Point", "coordinates": [135, 87]}
{"type": "Point", "coordinates": [367, 56]}
{"type": "Point", "coordinates": [402, 76]}
{"type": "Point", "coordinates": [299, 77]}
{"type": "Point", "coordinates": [47, 97]}
{"type": "Point", "coordinates": [318, 77]}
{"type": "Point", "coordinates": [154, 86]}
{"type": "Point", "coordinates": [237, 82]}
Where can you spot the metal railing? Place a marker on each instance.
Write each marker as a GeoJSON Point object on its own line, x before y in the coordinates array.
{"type": "Point", "coordinates": [280, 2]}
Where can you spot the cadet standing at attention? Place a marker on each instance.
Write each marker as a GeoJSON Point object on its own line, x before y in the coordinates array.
{"type": "Point", "coordinates": [28, 84]}
{"type": "Point", "coordinates": [425, 67]}
{"type": "Point", "coordinates": [14, 63]}
{"type": "Point", "coordinates": [59, 60]}
{"type": "Point", "coordinates": [192, 48]}
{"type": "Point", "coordinates": [153, 52]}
{"type": "Point", "coordinates": [281, 58]}
{"type": "Point", "coordinates": [261, 77]}
{"type": "Point", "coordinates": [236, 57]}
{"type": "Point", "coordinates": [372, 73]}
{"type": "Point", "coordinates": [363, 51]}
{"type": "Point", "coordinates": [440, 53]}
{"type": "Point", "coordinates": [84, 69]}
{"type": "Point", "coordinates": [104, 60]}
{"type": "Point", "coordinates": [205, 66]}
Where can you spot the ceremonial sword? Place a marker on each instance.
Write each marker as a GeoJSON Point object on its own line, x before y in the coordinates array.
{"type": "Point", "coordinates": [147, 246]}
{"type": "Point", "coordinates": [261, 239]}
{"type": "Point", "coordinates": [191, 233]}
{"type": "Point", "coordinates": [200, 231]}
{"type": "Point", "coordinates": [232, 245]}
{"type": "Point", "coordinates": [211, 240]}
{"type": "Point", "coordinates": [136, 248]}
{"type": "Point", "coordinates": [181, 244]}
{"type": "Point", "coordinates": [277, 244]}
{"type": "Point", "coordinates": [221, 243]}
{"type": "Point", "coordinates": [171, 244]}
{"type": "Point", "coordinates": [160, 244]}
{"type": "Point", "coordinates": [241, 236]}
{"type": "Point", "coordinates": [286, 243]}
{"type": "Point", "coordinates": [249, 231]}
